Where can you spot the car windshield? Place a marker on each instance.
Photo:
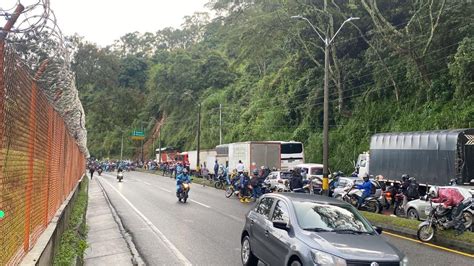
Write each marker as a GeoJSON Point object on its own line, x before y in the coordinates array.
{"type": "Point", "coordinates": [333, 218]}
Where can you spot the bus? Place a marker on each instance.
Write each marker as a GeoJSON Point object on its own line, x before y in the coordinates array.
{"type": "Point", "coordinates": [292, 154]}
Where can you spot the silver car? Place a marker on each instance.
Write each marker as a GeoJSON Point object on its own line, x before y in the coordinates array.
{"type": "Point", "coordinates": [415, 209]}
{"type": "Point", "coordinates": [302, 229]}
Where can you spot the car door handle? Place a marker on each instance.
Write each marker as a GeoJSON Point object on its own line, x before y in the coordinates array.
{"type": "Point", "coordinates": [252, 221]}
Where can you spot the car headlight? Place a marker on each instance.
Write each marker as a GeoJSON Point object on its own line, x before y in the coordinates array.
{"type": "Point", "coordinates": [323, 258]}
{"type": "Point", "coordinates": [404, 262]}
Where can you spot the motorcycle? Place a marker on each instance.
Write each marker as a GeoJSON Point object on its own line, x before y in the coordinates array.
{"type": "Point", "coordinates": [232, 189]}
{"type": "Point", "coordinates": [120, 176]}
{"type": "Point", "coordinates": [351, 196]}
{"type": "Point", "coordinates": [99, 171]}
{"type": "Point", "coordinates": [183, 193]}
{"type": "Point", "coordinates": [221, 182]}
{"type": "Point", "coordinates": [438, 220]}
{"type": "Point", "coordinates": [398, 208]}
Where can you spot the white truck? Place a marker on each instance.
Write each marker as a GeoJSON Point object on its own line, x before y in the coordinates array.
{"type": "Point", "coordinates": [206, 157]}
{"type": "Point", "coordinates": [255, 154]}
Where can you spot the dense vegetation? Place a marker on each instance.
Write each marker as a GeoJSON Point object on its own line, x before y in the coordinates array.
{"type": "Point", "coordinates": [403, 66]}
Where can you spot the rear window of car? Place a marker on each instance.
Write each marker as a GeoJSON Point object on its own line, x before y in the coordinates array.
{"type": "Point", "coordinates": [285, 175]}
{"type": "Point", "coordinates": [265, 206]}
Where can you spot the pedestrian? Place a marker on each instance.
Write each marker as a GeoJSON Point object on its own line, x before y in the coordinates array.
{"type": "Point", "coordinates": [216, 170]}
{"type": "Point", "coordinates": [240, 167]}
{"type": "Point", "coordinates": [91, 170]}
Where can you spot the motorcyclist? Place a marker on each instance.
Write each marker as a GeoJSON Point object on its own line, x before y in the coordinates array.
{"type": "Point", "coordinates": [243, 187]}
{"type": "Point", "coordinates": [367, 187]}
{"type": "Point", "coordinates": [182, 178]}
{"type": "Point", "coordinates": [451, 198]}
{"type": "Point", "coordinates": [334, 182]}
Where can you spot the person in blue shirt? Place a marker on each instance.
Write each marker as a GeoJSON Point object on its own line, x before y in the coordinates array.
{"type": "Point", "coordinates": [179, 169]}
{"type": "Point", "coordinates": [182, 178]}
{"type": "Point", "coordinates": [367, 187]}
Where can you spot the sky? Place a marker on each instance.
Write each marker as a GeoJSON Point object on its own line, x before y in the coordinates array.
{"type": "Point", "coordinates": [103, 21]}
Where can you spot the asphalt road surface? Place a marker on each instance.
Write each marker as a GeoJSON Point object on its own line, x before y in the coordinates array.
{"type": "Point", "coordinates": [206, 230]}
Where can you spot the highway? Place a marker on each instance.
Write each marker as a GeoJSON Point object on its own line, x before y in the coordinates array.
{"type": "Point", "coordinates": [206, 230]}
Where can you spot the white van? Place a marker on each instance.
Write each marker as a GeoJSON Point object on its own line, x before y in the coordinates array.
{"type": "Point", "coordinates": [313, 170]}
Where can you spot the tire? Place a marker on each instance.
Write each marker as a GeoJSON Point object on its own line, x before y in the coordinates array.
{"type": "Point", "coordinates": [373, 206]}
{"type": "Point", "coordinates": [218, 185]}
{"type": "Point", "coordinates": [399, 211]}
{"type": "Point", "coordinates": [467, 220]}
{"type": "Point", "coordinates": [413, 214]}
{"type": "Point", "coordinates": [246, 255]}
{"type": "Point", "coordinates": [229, 192]}
{"type": "Point", "coordinates": [185, 199]}
{"type": "Point", "coordinates": [426, 233]}
{"type": "Point", "coordinates": [295, 263]}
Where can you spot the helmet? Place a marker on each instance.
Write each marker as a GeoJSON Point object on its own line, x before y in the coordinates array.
{"type": "Point", "coordinates": [185, 171]}
{"type": "Point", "coordinates": [366, 177]}
{"type": "Point", "coordinates": [433, 193]}
{"type": "Point", "coordinates": [255, 172]}
{"type": "Point", "coordinates": [405, 177]}
{"type": "Point", "coordinates": [412, 179]}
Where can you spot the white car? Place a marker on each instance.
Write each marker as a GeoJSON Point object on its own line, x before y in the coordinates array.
{"type": "Point", "coordinates": [313, 171]}
{"type": "Point", "coordinates": [278, 180]}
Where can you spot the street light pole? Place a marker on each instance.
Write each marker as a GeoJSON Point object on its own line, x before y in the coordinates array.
{"type": "Point", "coordinates": [220, 124]}
{"type": "Point", "coordinates": [121, 149]}
{"type": "Point", "coordinates": [327, 42]}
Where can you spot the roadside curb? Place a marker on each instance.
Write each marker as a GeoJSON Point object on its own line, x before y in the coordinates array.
{"type": "Point", "coordinates": [448, 243]}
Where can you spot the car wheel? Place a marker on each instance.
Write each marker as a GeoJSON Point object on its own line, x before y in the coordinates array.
{"type": "Point", "coordinates": [295, 263]}
{"type": "Point", "coordinates": [413, 214]}
{"type": "Point", "coordinates": [248, 258]}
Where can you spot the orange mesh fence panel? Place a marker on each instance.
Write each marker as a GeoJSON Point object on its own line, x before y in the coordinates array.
{"type": "Point", "coordinates": [40, 163]}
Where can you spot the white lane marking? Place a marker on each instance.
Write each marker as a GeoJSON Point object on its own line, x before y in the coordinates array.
{"type": "Point", "coordinates": [202, 204]}
{"type": "Point", "coordinates": [146, 183]}
{"type": "Point", "coordinates": [164, 189]}
{"type": "Point", "coordinates": [157, 232]}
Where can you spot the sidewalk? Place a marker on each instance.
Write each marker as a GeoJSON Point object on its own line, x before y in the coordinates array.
{"type": "Point", "coordinates": [107, 245]}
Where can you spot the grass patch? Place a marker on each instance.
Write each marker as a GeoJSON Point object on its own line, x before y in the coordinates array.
{"type": "Point", "coordinates": [467, 237]}
{"type": "Point", "coordinates": [73, 241]}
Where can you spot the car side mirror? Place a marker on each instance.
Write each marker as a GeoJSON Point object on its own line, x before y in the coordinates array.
{"type": "Point", "coordinates": [281, 225]}
{"type": "Point", "coordinates": [378, 229]}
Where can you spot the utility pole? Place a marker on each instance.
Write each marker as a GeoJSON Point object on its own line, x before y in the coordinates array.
{"type": "Point", "coordinates": [327, 42]}
{"type": "Point", "coordinates": [220, 124]}
{"type": "Point", "coordinates": [199, 136]}
{"type": "Point", "coordinates": [142, 140]}
{"type": "Point", "coordinates": [325, 120]}
{"type": "Point", "coordinates": [159, 143]}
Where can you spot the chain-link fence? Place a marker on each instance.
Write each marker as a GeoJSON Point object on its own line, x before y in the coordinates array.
{"type": "Point", "coordinates": [40, 162]}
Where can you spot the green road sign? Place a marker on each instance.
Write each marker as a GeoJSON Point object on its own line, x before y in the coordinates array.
{"type": "Point", "coordinates": [138, 134]}
{"type": "Point", "coordinates": [2, 214]}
